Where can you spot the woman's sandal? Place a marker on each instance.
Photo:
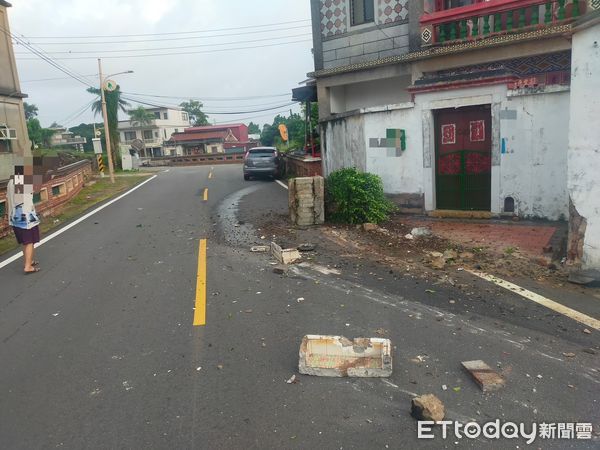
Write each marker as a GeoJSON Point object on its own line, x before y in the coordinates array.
{"type": "Point", "coordinates": [29, 272]}
{"type": "Point", "coordinates": [35, 263]}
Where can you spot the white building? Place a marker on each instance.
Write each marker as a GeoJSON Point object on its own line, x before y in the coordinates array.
{"type": "Point", "coordinates": [65, 138]}
{"type": "Point", "coordinates": [463, 104]}
{"type": "Point", "coordinates": [154, 134]}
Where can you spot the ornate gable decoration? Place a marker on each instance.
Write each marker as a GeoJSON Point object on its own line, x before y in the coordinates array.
{"type": "Point", "coordinates": [229, 137]}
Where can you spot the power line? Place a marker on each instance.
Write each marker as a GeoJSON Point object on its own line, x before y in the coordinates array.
{"type": "Point", "coordinates": [209, 98]}
{"type": "Point", "coordinates": [241, 119]}
{"type": "Point", "coordinates": [171, 39]}
{"type": "Point", "coordinates": [49, 60]}
{"type": "Point", "coordinates": [177, 53]}
{"type": "Point", "coordinates": [72, 117]}
{"type": "Point", "coordinates": [170, 33]}
{"type": "Point", "coordinates": [54, 79]}
{"type": "Point", "coordinates": [213, 112]}
{"type": "Point", "coordinates": [169, 48]}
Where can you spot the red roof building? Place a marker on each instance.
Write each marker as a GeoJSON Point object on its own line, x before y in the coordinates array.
{"type": "Point", "coordinates": [230, 138]}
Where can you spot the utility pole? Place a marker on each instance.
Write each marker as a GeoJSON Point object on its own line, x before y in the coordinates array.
{"type": "Point", "coordinates": [111, 169]}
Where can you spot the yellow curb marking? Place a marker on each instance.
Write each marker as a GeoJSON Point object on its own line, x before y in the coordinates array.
{"type": "Point", "coordinates": [200, 310]}
{"type": "Point", "coordinates": [540, 300]}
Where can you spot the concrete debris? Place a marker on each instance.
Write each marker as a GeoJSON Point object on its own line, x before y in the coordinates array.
{"type": "Point", "coordinates": [450, 254]}
{"type": "Point", "coordinates": [569, 355]}
{"type": "Point", "coordinates": [466, 255]}
{"type": "Point", "coordinates": [370, 226]}
{"type": "Point", "coordinates": [292, 380]}
{"type": "Point", "coordinates": [260, 249]}
{"type": "Point", "coordinates": [287, 256]}
{"type": "Point", "coordinates": [421, 232]}
{"type": "Point", "coordinates": [410, 237]}
{"type": "Point", "coordinates": [484, 375]}
{"type": "Point", "coordinates": [306, 247]}
{"type": "Point", "coordinates": [427, 407]}
{"type": "Point", "coordinates": [435, 254]}
{"type": "Point", "coordinates": [438, 262]}
{"type": "Point", "coordinates": [281, 270]}
{"type": "Point", "coordinates": [336, 356]}
{"type": "Point", "coordinates": [586, 331]}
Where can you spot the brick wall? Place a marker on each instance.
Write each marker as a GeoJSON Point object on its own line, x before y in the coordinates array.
{"type": "Point", "coordinates": [62, 186]}
{"type": "Point", "coordinates": [303, 167]}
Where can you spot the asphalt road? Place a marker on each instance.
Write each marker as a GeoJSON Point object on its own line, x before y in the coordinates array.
{"type": "Point", "coordinates": [98, 350]}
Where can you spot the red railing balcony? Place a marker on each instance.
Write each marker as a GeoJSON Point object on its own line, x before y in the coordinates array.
{"type": "Point", "coordinates": [497, 17]}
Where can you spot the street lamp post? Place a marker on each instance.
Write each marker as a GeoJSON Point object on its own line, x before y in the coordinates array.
{"type": "Point", "coordinates": [111, 167]}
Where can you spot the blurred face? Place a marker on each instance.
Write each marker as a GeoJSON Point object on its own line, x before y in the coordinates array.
{"type": "Point", "coordinates": [28, 176]}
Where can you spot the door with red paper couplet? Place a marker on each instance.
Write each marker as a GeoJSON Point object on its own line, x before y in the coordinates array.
{"type": "Point", "coordinates": [464, 158]}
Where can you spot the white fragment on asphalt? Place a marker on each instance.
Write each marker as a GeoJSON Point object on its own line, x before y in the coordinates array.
{"type": "Point", "coordinates": [258, 293]}
{"type": "Point", "coordinates": [300, 299]}
{"type": "Point", "coordinates": [198, 369]}
{"type": "Point", "coordinates": [444, 387]}
{"type": "Point", "coordinates": [55, 314]}
{"type": "Point", "coordinates": [291, 380]}
{"type": "Point", "coordinates": [127, 386]}
{"type": "Point", "coordinates": [540, 377]}
{"type": "Point", "coordinates": [347, 324]}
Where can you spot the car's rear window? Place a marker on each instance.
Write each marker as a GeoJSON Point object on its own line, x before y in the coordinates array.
{"type": "Point", "coordinates": [262, 152]}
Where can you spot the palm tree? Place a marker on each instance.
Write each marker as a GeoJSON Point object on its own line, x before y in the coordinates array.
{"type": "Point", "coordinates": [114, 103]}
{"type": "Point", "coordinates": [140, 117]}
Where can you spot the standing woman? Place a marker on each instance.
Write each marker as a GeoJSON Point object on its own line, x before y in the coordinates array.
{"type": "Point", "coordinates": [23, 218]}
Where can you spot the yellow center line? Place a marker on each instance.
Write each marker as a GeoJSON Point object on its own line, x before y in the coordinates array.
{"type": "Point", "coordinates": [200, 310]}
{"type": "Point", "coordinates": [205, 194]}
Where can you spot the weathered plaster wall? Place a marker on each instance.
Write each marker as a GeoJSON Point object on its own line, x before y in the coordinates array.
{"type": "Point", "coordinates": [369, 93]}
{"type": "Point", "coordinates": [533, 127]}
{"type": "Point", "coordinates": [344, 144]}
{"type": "Point", "coordinates": [401, 171]}
{"type": "Point", "coordinates": [584, 140]}
{"type": "Point", "coordinates": [534, 154]}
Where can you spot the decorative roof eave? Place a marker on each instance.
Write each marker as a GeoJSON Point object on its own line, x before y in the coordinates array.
{"type": "Point", "coordinates": [5, 4]}
{"type": "Point", "coordinates": [495, 41]}
{"type": "Point", "coordinates": [444, 86]}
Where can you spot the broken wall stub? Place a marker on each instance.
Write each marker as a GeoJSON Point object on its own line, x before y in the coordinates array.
{"type": "Point", "coordinates": [307, 200]}
{"type": "Point", "coordinates": [336, 356]}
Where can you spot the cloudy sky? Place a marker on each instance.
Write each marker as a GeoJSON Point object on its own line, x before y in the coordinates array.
{"type": "Point", "coordinates": [199, 43]}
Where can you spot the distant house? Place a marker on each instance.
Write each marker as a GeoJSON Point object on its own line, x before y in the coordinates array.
{"type": "Point", "coordinates": [232, 138]}
{"type": "Point", "coordinates": [65, 138]}
{"type": "Point", "coordinates": [14, 139]}
{"type": "Point", "coordinates": [155, 134]}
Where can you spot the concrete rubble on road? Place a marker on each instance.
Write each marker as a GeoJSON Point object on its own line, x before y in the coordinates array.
{"type": "Point", "coordinates": [421, 232]}
{"type": "Point", "coordinates": [485, 377]}
{"type": "Point", "coordinates": [427, 407]}
{"type": "Point", "coordinates": [337, 356]}
{"type": "Point", "coordinates": [285, 256]}
{"type": "Point", "coordinates": [280, 269]}
{"type": "Point", "coordinates": [260, 249]}
{"type": "Point", "coordinates": [370, 227]}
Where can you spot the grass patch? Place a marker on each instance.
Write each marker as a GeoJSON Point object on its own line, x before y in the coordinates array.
{"type": "Point", "coordinates": [89, 196]}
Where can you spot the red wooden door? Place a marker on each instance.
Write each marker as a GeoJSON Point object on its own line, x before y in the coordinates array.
{"type": "Point", "coordinates": [464, 158]}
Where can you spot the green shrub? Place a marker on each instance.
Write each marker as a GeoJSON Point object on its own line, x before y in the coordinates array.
{"type": "Point", "coordinates": [356, 197]}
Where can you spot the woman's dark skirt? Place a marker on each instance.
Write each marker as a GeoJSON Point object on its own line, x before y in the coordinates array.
{"type": "Point", "coordinates": [25, 237]}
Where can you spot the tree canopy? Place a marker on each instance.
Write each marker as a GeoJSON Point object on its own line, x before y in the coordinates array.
{"type": "Point", "coordinates": [194, 110]}
{"type": "Point", "coordinates": [140, 116]}
{"type": "Point", "coordinates": [253, 128]}
{"type": "Point", "coordinates": [31, 110]}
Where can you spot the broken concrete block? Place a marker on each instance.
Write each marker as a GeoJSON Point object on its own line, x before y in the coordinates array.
{"type": "Point", "coordinates": [427, 407]}
{"type": "Point", "coordinates": [421, 232]}
{"type": "Point", "coordinates": [260, 249]}
{"type": "Point", "coordinates": [484, 375]}
{"type": "Point", "coordinates": [336, 356]}
{"type": "Point", "coordinates": [287, 256]}
{"type": "Point", "coordinates": [370, 226]}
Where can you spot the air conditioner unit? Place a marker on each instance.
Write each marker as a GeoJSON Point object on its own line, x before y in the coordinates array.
{"type": "Point", "coordinates": [8, 134]}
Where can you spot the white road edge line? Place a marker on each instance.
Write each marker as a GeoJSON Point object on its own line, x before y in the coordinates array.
{"type": "Point", "coordinates": [282, 184]}
{"type": "Point", "coordinates": [540, 300]}
{"type": "Point", "coordinates": [76, 222]}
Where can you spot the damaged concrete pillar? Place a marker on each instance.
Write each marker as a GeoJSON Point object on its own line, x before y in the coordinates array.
{"type": "Point", "coordinates": [307, 200]}
{"type": "Point", "coordinates": [584, 153]}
